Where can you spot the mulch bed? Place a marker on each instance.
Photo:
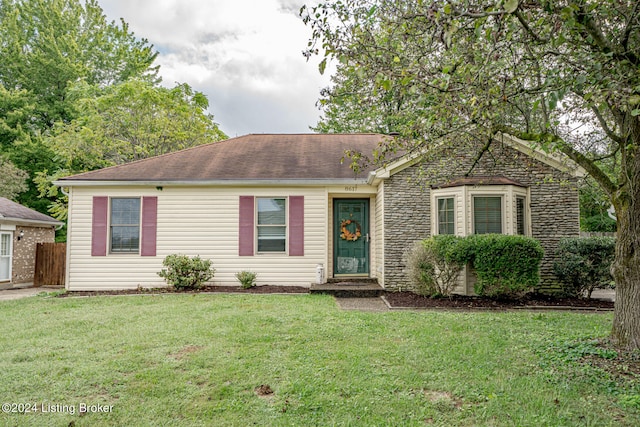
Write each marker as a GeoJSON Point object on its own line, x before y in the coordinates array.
{"type": "Point", "coordinates": [412, 300]}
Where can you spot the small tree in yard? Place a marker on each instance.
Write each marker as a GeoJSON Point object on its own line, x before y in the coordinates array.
{"type": "Point", "coordinates": [183, 272]}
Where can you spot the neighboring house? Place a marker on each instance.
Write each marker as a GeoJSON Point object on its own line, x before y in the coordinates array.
{"type": "Point", "coordinates": [279, 205]}
{"type": "Point", "coordinates": [20, 230]}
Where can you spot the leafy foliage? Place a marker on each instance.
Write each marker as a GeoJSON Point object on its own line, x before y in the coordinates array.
{"type": "Point", "coordinates": [12, 179]}
{"type": "Point", "coordinates": [246, 278]}
{"type": "Point", "coordinates": [506, 266]}
{"type": "Point", "coordinates": [184, 272]}
{"type": "Point", "coordinates": [434, 265]}
{"type": "Point", "coordinates": [584, 264]}
{"type": "Point", "coordinates": [49, 44]}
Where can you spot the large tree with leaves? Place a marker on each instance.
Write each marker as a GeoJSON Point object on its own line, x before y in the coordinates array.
{"type": "Point", "coordinates": [550, 71]}
{"type": "Point", "coordinates": [45, 47]}
{"type": "Point", "coordinates": [46, 44]}
{"type": "Point", "coordinates": [123, 123]}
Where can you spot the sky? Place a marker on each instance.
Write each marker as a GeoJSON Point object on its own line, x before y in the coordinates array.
{"type": "Point", "coordinates": [244, 55]}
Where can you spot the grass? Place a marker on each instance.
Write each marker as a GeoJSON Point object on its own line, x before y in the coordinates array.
{"type": "Point", "coordinates": [190, 360]}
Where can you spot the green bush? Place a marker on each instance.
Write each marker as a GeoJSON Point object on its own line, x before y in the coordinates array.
{"type": "Point", "coordinates": [506, 266]}
{"type": "Point", "coordinates": [246, 278]}
{"type": "Point", "coordinates": [435, 265]}
{"type": "Point", "coordinates": [584, 264]}
{"type": "Point", "coordinates": [183, 272]}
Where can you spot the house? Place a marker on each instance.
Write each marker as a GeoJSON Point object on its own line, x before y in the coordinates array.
{"type": "Point", "coordinates": [280, 205]}
{"type": "Point", "coordinates": [20, 230]}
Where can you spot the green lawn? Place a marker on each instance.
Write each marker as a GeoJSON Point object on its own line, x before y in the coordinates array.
{"type": "Point", "coordinates": [189, 360]}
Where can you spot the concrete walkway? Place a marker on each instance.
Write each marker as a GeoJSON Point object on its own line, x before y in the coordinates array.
{"type": "Point", "coordinates": [25, 290]}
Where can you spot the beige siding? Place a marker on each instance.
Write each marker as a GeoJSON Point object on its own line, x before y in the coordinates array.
{"type": "Point", "coordinates": [193, 221]}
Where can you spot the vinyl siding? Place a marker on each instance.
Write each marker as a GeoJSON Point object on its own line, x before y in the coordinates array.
{"type": "Point", "coordinates": [192, 221]}
{"type": "Point", "coordinates": [378, 236]}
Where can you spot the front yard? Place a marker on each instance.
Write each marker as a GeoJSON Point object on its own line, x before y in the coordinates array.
{"type": "Point", "coordinates": [196, 359]}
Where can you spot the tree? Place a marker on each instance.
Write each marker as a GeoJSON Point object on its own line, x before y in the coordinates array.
{"type": "Point", "coordinates": [12, 179]}
{"type": "Point", "coordinates": [46, 44]}
{"type": "Point", "coordinates": [131, 121]}
{"type": "Point", "coordinates": [546, 71]}
{"type": "Point", "coordinates": [123, 123]}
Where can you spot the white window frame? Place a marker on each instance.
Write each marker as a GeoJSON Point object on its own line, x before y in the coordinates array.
{"type": "Point", "coordinates": [285, 225]}
{"type": "Point", "coordinates": [472, 217]}
{"type": "Point", "coordinates": [111, 225]}
{"type": "Point", "coordinates": [10, 256]}
{"type": "Point", "coordinates": [463, 206]}
{"type": "Point", "coordinates": [437, 212]}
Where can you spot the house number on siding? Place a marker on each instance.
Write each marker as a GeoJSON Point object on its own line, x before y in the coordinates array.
{"type": "Point", "coordinates": [351, 188]}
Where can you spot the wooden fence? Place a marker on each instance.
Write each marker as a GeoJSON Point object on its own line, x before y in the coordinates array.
{"type": "Point", "coordinates": [50, 264]}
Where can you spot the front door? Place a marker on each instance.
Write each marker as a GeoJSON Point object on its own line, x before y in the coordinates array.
{"type": "Point", "coordinates": [351, 236]}
{"type": "Point", "coordinates": [5, 256]}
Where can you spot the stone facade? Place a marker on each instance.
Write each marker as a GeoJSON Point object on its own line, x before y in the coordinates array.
{"type": "Point", "coordinates": [554, 204]}
{"type": "Point", "coordinates": [24, 251]}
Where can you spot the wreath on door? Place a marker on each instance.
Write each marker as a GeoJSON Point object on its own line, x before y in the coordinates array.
{"type": "Point", "coordinates": [346, 234]}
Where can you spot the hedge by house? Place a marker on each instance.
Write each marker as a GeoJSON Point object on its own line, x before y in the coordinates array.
{"type": "Point", "coordinates": [505, 266]}
{"type": "Point", "coordinates": [584, 264]}
{"type": "Point", "coordinates": [435, 265]}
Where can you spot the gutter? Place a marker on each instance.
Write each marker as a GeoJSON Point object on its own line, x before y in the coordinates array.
{"type": "Point", "coordinates": [23, 221]}
{"type": "Point", "coordinates": [218, 182]}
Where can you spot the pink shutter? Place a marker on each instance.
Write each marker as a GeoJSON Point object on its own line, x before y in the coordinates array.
{"type": "Point", "coordinates": [246, 226]}
{"type": "Point", "coordinates": [149, 226]}
{"type": "Point", "coordinates": [99, 226]}
{"type": "Point", "coordinates": [296, 225]}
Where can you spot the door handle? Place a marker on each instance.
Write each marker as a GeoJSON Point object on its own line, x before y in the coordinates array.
{"type": "Point", "coordinates": [367, 238]}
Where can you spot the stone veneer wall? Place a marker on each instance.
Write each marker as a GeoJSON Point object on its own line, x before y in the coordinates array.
{"type": "Point", "coordinates": [554, 205]}
{"type": "Point", "coordinates": [24, 251]}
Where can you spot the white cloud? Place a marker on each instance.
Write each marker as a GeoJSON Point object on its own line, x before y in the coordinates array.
{"type": "Point", "coordinates": [245, 55]}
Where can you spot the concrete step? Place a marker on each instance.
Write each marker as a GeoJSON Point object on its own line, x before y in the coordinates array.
{"type": "Point", "coordinates": [351, 289]}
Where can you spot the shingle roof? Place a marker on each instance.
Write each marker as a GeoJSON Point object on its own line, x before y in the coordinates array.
{"type": "Point", "coordinates": [250, 157]}
{"type": "Point", "coordinates": [14, 211]}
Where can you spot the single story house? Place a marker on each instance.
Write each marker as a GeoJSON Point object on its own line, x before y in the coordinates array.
{"type": "Point", "coordinates": [21, 229]}
{"type": "Point", "coordinates": [280, 205]}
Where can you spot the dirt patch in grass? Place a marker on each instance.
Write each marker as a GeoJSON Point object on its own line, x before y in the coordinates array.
{"type": "Point", "coordinates": [412, 300]}
{"type": "Point", "coordinates": [264, 390]}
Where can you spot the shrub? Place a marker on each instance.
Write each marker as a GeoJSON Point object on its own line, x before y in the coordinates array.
{"type": "Point", "coordinates": [435, 264]}
{"type": "Point", "coordinates": [246, 278]}
{"type": "Point", "coordinates": [506, 266]}
{"type": "Point", "coordinates": [183, 272]}
{"type": "Point", "coordinates": [584, 264]}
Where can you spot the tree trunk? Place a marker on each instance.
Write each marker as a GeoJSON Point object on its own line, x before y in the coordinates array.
{"type": "Point", "coordinates": [626, 266]}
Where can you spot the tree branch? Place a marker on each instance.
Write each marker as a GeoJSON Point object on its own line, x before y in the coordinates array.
{"type": "Point", "coordinates": [526, 26]}
{"type": "Point", "coordinates": [611, 134]}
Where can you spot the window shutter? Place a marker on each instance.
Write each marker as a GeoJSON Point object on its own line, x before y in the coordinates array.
{"type": "Point", "coordinates": [246, 226]}
{"type": "Point", "coordinates": [296, 225]}
{"type": "Point", "coordinates": [99, 226]}
{"type": "Point", "coordinates": [149, 226]}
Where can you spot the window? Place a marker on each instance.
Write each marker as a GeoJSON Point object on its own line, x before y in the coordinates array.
{"type": "Point", "coordinates": [446, 223]}
{"type": "Point", "coordinates": [487, 214]}
{"type": "Point", "coordinates": [520, 215]}
{"type": "Point", "coordinates": [271, 225]}
{"type": "Point", "coordinates": [125, 225]}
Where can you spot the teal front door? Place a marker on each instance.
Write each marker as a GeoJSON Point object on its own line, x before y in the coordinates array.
{"type": "Point", "coordinates": [351, 236]}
